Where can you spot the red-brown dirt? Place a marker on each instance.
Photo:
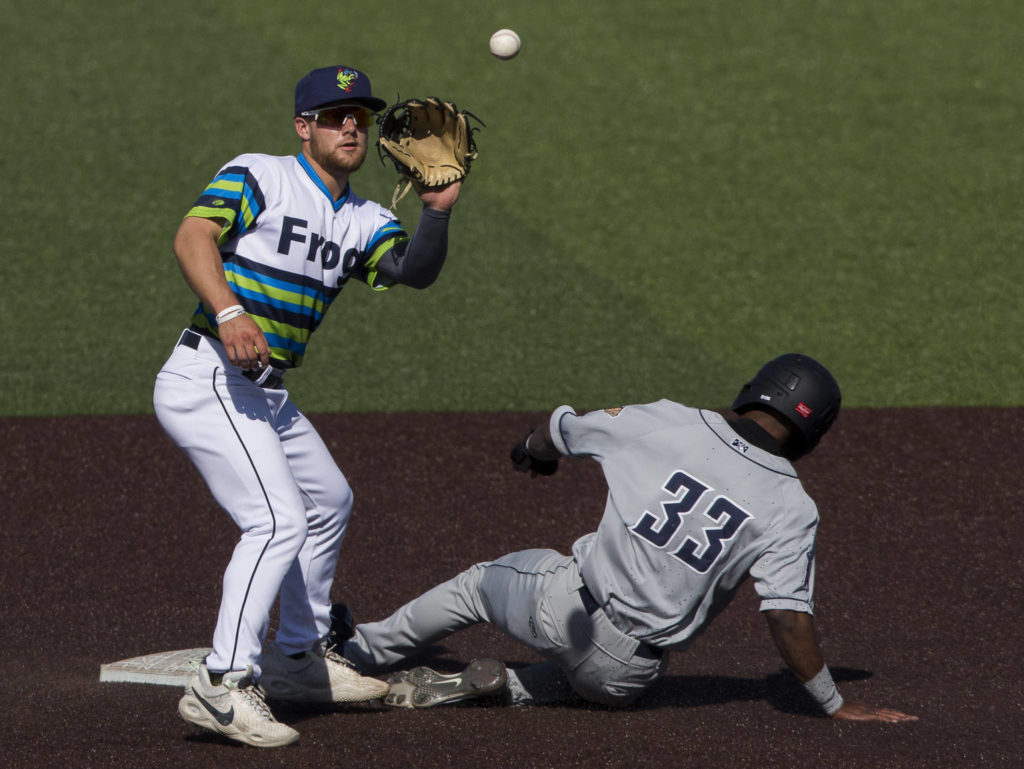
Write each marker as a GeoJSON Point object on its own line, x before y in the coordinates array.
{"type": "Point", "coordinates": [112, 548]}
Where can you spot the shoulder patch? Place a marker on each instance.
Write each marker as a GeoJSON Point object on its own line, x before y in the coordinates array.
{"type": "Point", "coordinates": [613, 412]}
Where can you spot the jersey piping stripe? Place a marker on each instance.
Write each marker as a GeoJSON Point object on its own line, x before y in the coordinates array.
{"type": "Point", "coordinates": [746, 457]}
{"type": "Point", "coordinates": [337, 204]}
{"type": "Point", "coordinates": [270, 507]}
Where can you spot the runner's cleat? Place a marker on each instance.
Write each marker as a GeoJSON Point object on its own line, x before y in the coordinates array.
{"type": "Point", "coordinates": [424, 688]}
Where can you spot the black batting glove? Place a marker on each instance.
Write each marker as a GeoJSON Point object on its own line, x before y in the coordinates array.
{"type": "Point", "coordinates": [525, 462]}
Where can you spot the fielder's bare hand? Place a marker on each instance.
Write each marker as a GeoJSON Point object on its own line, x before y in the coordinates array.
{"type": "Point", "coordinates": [244, 343]}
{"type": "Point", "coordinates": [858, 711]}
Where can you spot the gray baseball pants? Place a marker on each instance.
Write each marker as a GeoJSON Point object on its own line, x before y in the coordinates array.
{"type": "Point", "coordinates": [534, 597]}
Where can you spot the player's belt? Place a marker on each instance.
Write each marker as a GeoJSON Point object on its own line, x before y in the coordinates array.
{"type": "Point", "coordinates": [269, 381]}
{"type": "Point", "coordinates": [269, 378]}
{"type": "Point", "coordinates": [189, 338]}
{"type": "Point", "coordinates": [591, 605]}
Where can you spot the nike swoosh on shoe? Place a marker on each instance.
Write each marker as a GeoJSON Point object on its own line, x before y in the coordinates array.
{"type": "Point", "coordinates": [224, 719]}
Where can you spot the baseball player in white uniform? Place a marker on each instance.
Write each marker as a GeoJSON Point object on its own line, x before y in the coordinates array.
{"type": "Point", "coordinates": [697, 501]}
{"type": "Point", "coordinates": [267, 248]}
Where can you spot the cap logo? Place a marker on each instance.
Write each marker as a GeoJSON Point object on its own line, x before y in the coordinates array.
{"type": "Point", "coordinates": [346, 78]}
{"type": "Point", "coordinates": [803, 409]}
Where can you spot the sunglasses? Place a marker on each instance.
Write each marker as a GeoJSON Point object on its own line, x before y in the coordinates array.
{"type": "Point", "coordinates": [336, 117]}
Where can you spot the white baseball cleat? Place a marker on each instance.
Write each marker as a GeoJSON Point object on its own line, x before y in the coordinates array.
{"type": "Point", "coordinates": [318, 676]}
{"type": "Point", "coordinates": [424, 688]}
{"type": "Point", "coordinates": [234, 708]}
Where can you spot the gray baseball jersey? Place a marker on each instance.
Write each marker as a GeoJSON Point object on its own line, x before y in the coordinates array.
{"type": "Point", "coordinates": [692, 509]}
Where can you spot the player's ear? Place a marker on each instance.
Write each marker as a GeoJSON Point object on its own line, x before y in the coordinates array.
{"type": "Point", "coordinates": [302, 128]}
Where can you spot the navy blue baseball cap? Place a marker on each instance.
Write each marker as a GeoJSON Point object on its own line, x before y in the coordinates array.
{"type": "Point", "coordinates": [335, 85]}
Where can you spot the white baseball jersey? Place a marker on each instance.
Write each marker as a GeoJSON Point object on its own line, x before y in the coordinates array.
{"type": "Point", "coordinates": [692, 508]}
{"type": "Point", "coordinates": [289, 248]}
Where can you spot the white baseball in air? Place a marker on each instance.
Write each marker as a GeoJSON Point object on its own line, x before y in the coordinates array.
{"type": "Point", "coordinates": [505, 43]}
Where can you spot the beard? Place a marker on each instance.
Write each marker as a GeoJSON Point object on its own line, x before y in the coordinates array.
{"type": "Point", "coordinates": [334, 161]}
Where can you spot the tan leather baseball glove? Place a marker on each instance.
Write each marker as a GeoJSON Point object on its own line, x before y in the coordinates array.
{"type": "Point", "coordinates": [430, 142]}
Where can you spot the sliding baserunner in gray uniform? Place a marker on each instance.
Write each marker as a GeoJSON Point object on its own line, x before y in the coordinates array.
{"type": "Point", "coordinates": [697, 501]}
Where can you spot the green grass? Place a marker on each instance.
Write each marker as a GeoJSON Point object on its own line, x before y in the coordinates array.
{"type": "Point", "coordinates": [665, 197]}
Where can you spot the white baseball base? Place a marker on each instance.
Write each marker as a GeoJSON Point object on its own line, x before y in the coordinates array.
{"type": "Point", "coordinates": [164, 668]}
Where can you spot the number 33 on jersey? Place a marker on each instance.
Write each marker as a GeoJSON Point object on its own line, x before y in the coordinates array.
{"type": "Point", "coordinates": [726, 520]}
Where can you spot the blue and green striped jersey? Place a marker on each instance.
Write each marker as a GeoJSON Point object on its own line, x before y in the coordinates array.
{"type": "Point", "coordinates": [289, 248]}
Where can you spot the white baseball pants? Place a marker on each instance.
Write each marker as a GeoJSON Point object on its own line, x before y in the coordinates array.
{"type": "Point", "coordinates": [269, 469]}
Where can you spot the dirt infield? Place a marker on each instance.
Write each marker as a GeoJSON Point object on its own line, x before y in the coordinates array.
{"type": "Point", "coordinates": [112, 548]}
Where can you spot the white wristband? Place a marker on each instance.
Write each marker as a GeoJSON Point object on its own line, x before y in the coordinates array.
{"type": "Point", "coordinates": [823, 689]}
{"type": "Point", "coordinates": [230, 313]}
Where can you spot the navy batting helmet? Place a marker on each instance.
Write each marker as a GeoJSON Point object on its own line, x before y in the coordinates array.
{"type": "Point", "coordinates": [798, 389]}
